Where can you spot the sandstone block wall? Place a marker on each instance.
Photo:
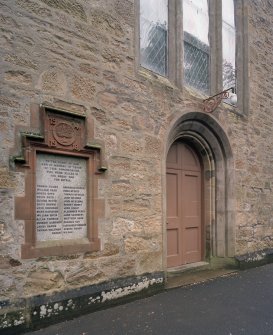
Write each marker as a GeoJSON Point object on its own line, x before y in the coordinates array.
{"type": "Point", "coordinates": [80, 56]}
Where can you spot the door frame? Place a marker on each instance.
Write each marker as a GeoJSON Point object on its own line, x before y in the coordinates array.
{"type": "Point", "coordinates": [208, 138]}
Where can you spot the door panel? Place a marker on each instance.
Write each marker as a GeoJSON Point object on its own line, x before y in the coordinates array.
{"type": "Point", "coordinates": [191, 239]}
{"type": "Point", "coordinates": [173, 242]}
{"type": "Point", "coordinates": [172, 193]}
{"type": "Point", "coordinates": [173, 217]}
{"type": "Point", "coordinates": [192, 246]}
{"type": "Point", "coordinates": [191, 204]}
{"type": "Point", "coordinates": [184, 229]}
{"type": "Point", "coordinates": [174, 157]}
{"type": "Point", "coordinates": [189, 160]}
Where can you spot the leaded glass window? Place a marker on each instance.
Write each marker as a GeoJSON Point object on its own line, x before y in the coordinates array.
{"type": "Point", "coordinates": [154, 35]}
{"type": "Point", "coordinates": [196, 44]}
{"type": "Point", "coordinates": [228, 44]}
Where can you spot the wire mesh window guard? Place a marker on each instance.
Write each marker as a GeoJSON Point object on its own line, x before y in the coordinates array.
{"type": "Point", "coordinates": [154, 35]}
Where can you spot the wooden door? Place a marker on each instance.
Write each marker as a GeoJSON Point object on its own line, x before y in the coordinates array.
{"type": "Point", "coordinates": [184, 230]}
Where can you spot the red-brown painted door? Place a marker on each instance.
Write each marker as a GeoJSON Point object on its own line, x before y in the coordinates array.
{"type": "Point", "coordinates": [184, 230]}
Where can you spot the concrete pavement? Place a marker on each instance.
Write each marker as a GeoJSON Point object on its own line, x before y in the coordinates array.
{"type": "Point", "coordinates": [240, 303]}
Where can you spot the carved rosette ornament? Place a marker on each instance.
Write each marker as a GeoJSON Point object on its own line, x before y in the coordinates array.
{"type": "Point", "coordinates": [64, 134]}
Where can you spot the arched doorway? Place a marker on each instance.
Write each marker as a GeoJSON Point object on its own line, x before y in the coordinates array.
{"type": "Point", "coordinates": [206, 144]}
{"type": "Point", "coordinates": [184, 205]}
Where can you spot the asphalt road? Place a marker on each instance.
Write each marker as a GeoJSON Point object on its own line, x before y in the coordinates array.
{"type": "Point", "coordinates": [237, 304]}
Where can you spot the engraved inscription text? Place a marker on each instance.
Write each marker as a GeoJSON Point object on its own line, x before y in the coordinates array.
{"type": "Point", "coordinates": [61, 197]}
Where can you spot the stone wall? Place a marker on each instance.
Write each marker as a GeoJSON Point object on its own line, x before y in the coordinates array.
{"type": "Point", "coordinates": [80, 56]}
{"type": "Point", "coordinates": [252, 139]}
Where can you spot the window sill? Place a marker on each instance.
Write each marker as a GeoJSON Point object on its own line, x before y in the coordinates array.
{"type": "Point", "coordinates": [232, 109]}
{"type": "Point", "coordinates": [194, 93]}
{"type": "Point", "coordinates": [154, 77]}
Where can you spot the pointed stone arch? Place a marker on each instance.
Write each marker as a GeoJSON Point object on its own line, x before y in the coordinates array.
{"type": "Point", "coordinates": [208, 138]}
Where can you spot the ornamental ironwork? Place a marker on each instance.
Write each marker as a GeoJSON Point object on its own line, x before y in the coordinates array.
{"type": "Point", "coordinates": [211, 103]}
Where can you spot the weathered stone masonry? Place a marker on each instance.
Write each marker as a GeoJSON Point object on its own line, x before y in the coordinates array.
{"type": "Point", "coordinates": [80, 56]}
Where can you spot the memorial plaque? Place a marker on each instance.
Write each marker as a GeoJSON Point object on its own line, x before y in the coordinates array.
{"type": "Point", "coordinates": [61, 197]}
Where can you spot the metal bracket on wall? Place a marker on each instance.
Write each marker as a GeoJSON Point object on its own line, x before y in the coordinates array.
{"type": "Point", "coordinates": [211, 103]}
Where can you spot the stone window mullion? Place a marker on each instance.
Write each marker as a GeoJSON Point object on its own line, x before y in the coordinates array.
{"type": "Point", "coordinates": [175, 42]}
{"type": "Point", "coordinates": [241, 24]}
{"type": "Point", "coordinates": [215, 33]}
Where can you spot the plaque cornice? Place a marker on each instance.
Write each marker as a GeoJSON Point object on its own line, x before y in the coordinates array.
{"type": "Point", "coordinates": [93, 146]}
{"type": "Point", "coordinates": [62, 111]}
{"type": "Point", "coordinates": [36, 136]}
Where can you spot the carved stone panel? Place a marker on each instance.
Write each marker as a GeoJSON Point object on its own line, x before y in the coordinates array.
{"type": "Point", "coordinates": [64, 132]}
{"type": "Point", "coordinates": [62, 164]}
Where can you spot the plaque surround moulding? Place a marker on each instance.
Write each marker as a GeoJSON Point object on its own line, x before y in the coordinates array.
{"type": "Point", "coordinates": [64, 139]}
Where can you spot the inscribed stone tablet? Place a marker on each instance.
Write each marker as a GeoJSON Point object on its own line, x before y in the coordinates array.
{"type": "Point", "coordinates": [61, 197]}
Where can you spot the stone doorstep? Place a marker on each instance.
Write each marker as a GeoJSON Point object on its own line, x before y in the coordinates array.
{"type": "Point", "coordinates": [187, 268]}
{"type": "Point", "coordinates": [197, 277]}
{"type": "Point", "coordinates": [193, 276]}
